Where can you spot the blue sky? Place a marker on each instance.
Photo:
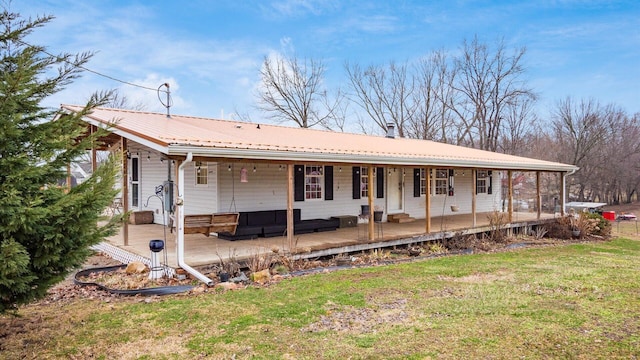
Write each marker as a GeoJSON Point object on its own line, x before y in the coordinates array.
{"type": "Point", "coordinates": [211, 51]}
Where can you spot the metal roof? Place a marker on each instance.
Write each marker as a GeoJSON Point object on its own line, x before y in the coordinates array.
{"type": "Point", "coordinates": [179, 135]}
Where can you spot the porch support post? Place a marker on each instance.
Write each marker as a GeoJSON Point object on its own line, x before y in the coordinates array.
{"type": "Point", "coordinates": [125, 189]}
{"type": "Point", "coordinates": [474, 175]}
{"type": "Point", "coordinates": [370, 192]}
{"type": "Point", "coordinates": [563, 184]}
{"type": "Point", "coordinates": [290, 207]}
{"type": "Point", "coordinates": [510, 194]}
{"type": "Point", "coordinates": [427, 200]}
{"type": "Point", "coordinates": [538, 195]}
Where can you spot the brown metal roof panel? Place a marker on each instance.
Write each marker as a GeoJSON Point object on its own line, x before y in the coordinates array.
{"type": "Point", "coordinates": [187, 130]}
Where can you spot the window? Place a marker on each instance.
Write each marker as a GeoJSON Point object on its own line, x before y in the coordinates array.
{"type": "Point", "coordinates": [202, 173]}
{"type": "Point", "coordinates": [313, 180]}
{"type": "Point", "coordinates": [423, 181]}
{"type": "Point", "coordinates": [481, 182]}
{"type": "Point", "coordinates": [441, 181]}
{"type": "Point", "coordinates": [364, 181]}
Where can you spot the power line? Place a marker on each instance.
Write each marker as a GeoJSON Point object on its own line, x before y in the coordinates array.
{"type": "Point", "coordinates": [92, 71]}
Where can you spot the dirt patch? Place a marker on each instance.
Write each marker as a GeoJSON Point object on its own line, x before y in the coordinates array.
{"type": "Point", "coordinates": [360, 320]}
{"type": "Point", "coordinates": [480, 278]}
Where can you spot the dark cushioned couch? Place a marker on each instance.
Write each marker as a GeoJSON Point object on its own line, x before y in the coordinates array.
{"type": "Point", "coordinates": [270, 223]}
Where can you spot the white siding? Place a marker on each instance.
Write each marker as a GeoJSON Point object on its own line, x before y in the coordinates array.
{"type": "Point", "coordinates": [266, 189]}
{"type": "Point", "coordinates": [200, 199]}
{"type": "Point", "coordinates": [441, 204]}
{"type": "Point", "coordinates": [153, 172]}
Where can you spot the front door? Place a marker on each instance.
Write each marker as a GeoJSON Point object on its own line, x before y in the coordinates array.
{"type": "Point", "coordinates": [134, 174]}
{"type": "Point", "coordinates": [395, 191]}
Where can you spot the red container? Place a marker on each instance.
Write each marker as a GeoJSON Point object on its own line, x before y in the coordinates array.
{"type": "Point", "coordinates": [609, 215]}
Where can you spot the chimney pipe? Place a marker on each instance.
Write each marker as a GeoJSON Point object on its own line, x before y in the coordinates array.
{"type": "Point", "coordinates": [391, 130]}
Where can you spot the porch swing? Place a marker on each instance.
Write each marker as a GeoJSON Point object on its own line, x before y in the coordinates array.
{"type": "Point", "coordinates": [226, 222]}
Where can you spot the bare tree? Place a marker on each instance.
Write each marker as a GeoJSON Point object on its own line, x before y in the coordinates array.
{"type": "Point", "coordinates": [488, 83]}
{"type": "Point", "coordinates": [616, 177]}
{"type": "Point", "coordinates": [602, 141]}
{"type": "Point", "coordinates": [384, 93]}
{"type": "Point", "coordinates": [517, 126]}
{"type": "Point", "coordinates": [119, 101]}
{"type": "Point", "coordinates": [432, 119]}
{"type": "Point", "coordinates": [292, 91]}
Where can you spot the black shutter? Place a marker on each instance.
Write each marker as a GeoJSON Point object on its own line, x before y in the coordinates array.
{"type": "Point", "coordinates": [416, 182]}
{"type": "Point", "coordinates": [380, 183]}
{"type": "Point", "coordinates": [298, 182]}
{"type": "Point", "coordinates": [451, 189]}
{"type": "Point", "coordinates": [328, 182]}
{"type": "Point", "coordinates": [490, 186]}
{"type": "Point", "coordinates": [356, 182]}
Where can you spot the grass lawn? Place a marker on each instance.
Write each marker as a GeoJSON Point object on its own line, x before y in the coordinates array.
{"type": "Point", "coordinates": [579, 301]}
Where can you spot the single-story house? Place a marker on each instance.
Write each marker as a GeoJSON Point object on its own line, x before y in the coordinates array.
{"type": "Point", "coordinates": [293, 174]}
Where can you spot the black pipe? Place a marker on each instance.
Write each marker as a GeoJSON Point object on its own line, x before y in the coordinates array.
{"type": "Point", "coordinates": [162, 290]}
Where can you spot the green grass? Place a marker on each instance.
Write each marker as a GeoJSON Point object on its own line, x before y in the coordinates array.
{"type": "Point", "coordinates": [574, 301]}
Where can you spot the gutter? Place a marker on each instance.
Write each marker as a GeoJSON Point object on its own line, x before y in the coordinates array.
{"type": "Point", "coordinates": [518, 164]}
{"type": "Point", "coordinates": [180, 225]}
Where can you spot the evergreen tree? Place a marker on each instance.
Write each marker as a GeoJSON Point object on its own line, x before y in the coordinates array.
{"type": "Point", "coordinates": [45, 230]}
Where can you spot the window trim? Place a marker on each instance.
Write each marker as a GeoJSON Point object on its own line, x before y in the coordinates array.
{"type": "Point", "coordinates": [364, 186]}
{"type": "Point", "coordinates": [318, 182]}
{"type": "Point", "coordinates": [201, 171]}
{"type": "Point", "coordinates": [482, 178]}
{"type": "Point", "coordinates": [445, 177]}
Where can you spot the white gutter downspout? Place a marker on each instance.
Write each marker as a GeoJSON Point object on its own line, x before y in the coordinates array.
{"type": "Point", "coordinates": [180, 225]}
{"type": "Point", "coordinates": [564, 189]}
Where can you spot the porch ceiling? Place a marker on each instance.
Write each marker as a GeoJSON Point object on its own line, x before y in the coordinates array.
{"type": "Point", "coordinates": [179, 135]}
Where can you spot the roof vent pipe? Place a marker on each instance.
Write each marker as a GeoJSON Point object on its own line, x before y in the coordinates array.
{"type": "Point", "coordinates": [391, 130]}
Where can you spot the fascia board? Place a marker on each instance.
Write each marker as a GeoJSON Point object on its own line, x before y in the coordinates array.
{"type": "Point", "coordinates": [114, 129]}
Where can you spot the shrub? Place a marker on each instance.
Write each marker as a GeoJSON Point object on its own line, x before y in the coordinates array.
{"type": "Point", "coordinates": [600, 225]}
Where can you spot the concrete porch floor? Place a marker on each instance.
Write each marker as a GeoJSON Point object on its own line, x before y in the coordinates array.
{"type": "Point", "coordinates": [201, 250]}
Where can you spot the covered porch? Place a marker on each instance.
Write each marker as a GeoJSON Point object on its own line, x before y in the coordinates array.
{"type": "Point", "coordinates": [200, 250]}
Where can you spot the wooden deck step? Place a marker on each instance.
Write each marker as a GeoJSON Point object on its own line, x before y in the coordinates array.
{"type": "Point", "coordinates": [400, 218]}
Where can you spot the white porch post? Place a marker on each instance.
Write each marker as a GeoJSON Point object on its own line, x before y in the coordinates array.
{"type": "Point", "coordinates": [125, 189]}
{"type": "Point", "coordinates": [510, 194]}
{"type": "Point", "coordinates": [563, 192]}
{"type": "Point", "coordinates": [427, 200]}
{"type": "Point", "coordinates": [370, 198]}
{"type": "Point", "coordinates": [538, 194]}
{"type": "Point", "coordinates": [474, 175]}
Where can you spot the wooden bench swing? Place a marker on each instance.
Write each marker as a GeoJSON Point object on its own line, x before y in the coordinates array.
{"type": "Point", "coordinates": [210, 223]}
{"type": "Point", "coordinates": [213, 223]}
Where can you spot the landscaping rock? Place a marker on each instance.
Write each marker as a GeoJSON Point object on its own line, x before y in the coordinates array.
{"type": "Point", "coordinates": [136, 267]}
{"type": "Point", "coordinates": [227, 286]}
{"type": "Point", "coordinates": [261, 277]}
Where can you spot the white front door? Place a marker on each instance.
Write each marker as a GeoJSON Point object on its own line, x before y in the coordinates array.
{"type": "Point", "coordinates": [134, 183]}
{"type": "Point", "coordinates": [395, 191]}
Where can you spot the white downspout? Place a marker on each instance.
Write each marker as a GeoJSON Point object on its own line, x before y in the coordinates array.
{"type": "Point", "coordinates": [180, 225]}
{"type": "Point", "coordinates": [564, 189]}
